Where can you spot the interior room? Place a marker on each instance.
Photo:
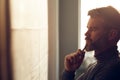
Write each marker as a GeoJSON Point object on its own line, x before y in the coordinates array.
{"type": "Point", "coordinates": [35, 36]}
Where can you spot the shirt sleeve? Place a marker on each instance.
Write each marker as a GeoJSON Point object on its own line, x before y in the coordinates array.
{"type": "Point", "coordinates": [68, 75]}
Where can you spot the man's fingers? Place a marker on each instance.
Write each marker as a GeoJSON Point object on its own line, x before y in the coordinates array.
{"type": "Point", "coordinates": [73, 60]}
{"type": "Point", "coordinates": [75, 57]}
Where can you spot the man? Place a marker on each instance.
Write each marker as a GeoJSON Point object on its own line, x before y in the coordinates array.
{"type": "Point", "coordinates": [102, 36]}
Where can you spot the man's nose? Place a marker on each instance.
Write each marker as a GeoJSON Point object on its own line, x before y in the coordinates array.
{"type": "Point", "coordinates": [87, 33]}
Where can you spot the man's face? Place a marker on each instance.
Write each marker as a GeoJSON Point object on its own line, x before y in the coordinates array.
{"type": "Point", "coordinates": [96, 35]}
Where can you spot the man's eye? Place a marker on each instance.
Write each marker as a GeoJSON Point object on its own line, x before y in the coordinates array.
{"type": "Point", "coordinates": [93, 29]}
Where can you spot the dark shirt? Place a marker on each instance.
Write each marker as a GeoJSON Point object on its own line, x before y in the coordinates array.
{"type": "Point", "coordinates": [107, 67]}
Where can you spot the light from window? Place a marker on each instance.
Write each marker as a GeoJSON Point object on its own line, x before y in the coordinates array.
{"type": "Point", "coordinates": [29, 27]}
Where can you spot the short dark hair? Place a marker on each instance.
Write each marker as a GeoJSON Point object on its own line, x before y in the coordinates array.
{"type": "Point", "coordinates": [109, 14]}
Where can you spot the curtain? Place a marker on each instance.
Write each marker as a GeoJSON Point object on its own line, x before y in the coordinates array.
{"type": "Point", "coordinates": [5, 56]}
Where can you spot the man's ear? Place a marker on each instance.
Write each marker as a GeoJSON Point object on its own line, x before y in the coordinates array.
{"type": "Point", "coordinates": [113, 34]}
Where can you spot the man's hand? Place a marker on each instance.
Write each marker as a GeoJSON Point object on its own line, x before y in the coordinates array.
{"type": "Point", "coordinates": [73, 61]}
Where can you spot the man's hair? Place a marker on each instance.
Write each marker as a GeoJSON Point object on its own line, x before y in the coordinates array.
{"type": "Point", "coordinates": [109, 14]}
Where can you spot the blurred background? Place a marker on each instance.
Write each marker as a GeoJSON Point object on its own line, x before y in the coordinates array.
{"type": "Point", "coordinates": [35, 36]}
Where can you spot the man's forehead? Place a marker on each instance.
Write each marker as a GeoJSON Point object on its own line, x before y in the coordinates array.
{"type": "Point", "coordinates": [96, 21]}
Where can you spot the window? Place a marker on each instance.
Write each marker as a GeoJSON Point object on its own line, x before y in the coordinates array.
{"type": "Point", "coordinates": [29, 29]}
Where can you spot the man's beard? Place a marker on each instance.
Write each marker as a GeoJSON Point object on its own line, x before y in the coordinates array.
{"type": "Point", "coordinates": [96, 45]}
{"type": "Point", "coordinates": [89, 46]}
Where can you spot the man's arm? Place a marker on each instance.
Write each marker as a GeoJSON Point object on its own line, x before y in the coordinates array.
{"type": "Point", "coordinates": [68, 75]}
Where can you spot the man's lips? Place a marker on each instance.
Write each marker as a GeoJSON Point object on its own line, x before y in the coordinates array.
{"type": "Point", "coordinates": [87, 38]}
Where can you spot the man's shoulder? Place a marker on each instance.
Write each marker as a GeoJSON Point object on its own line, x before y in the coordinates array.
{"type": "Point", "coordinates": [114, 72]}
{"type": "Point", "coordinates": [110, 71]}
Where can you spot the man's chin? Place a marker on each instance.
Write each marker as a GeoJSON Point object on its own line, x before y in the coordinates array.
{"type": "Point", "coordinates": [89, 48]}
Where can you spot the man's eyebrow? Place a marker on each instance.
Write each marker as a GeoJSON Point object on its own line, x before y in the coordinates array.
{"type": "Point", "coordinates": [89, 26]}
{"type": "Point", "coordinates": [92, 27]}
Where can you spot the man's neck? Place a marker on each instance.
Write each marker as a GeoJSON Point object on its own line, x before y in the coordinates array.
{"type": "Point", "coordinates": [107, 54]}
{"type": "Point", "coordinates": [100, 50]}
